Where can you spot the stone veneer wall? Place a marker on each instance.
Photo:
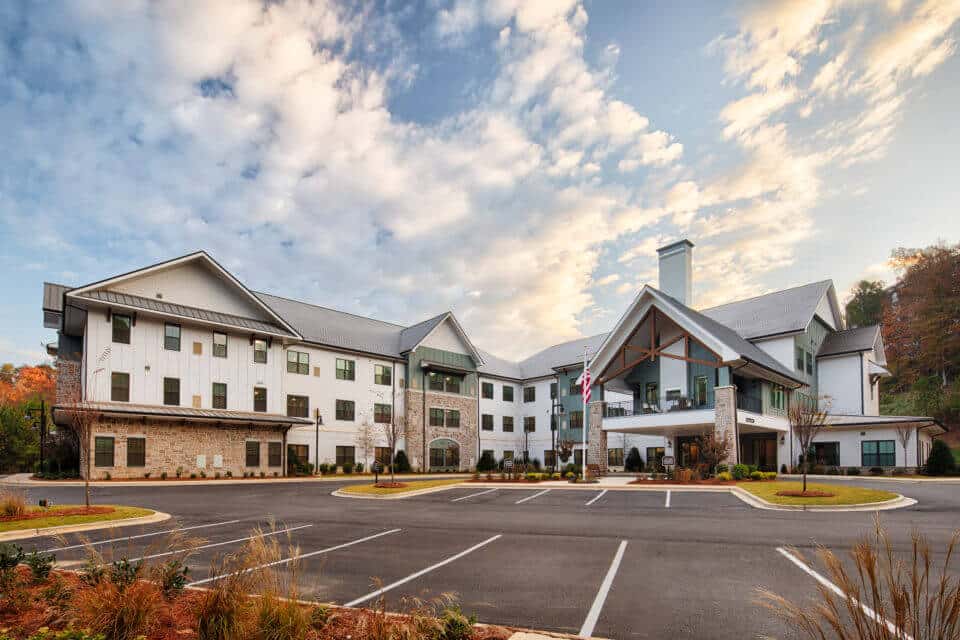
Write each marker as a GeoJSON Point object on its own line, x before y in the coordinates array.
{"type": "Point", "coordinates": [171, 445]}
{"type": "Point", "coordinates": [466, 436]}
{"type": "Point", "coordinates": [725, 419]}
{"type": "Point", "coordinates": [68, 380]}
{"type": "Point", "coordinates": [597, 437]}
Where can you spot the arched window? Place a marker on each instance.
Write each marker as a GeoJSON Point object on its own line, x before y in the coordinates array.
{"type": "Point", "coordinates": [444, 454]}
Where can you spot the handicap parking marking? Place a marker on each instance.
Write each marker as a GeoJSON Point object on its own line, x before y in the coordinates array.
{"type": "Point", "coordinates": [141, 535]}
{"type": "Point", "coordinates": [594, 614]}
{"type": "Point", "coordinates": [417, 574]}
{"type": "Point", "coordinates": [299, 557]}
{"type": "Point", "coordinates": [536, 495]}
{"type": "Point", "coordinates": [211, 545]}
{"type": "Point", "coordinates": [596, 497]}
{"type": "Point", "coordinates": [474, 495]}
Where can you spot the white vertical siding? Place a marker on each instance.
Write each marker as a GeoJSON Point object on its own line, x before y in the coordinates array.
{"type": "Point", "coordinates": [840, 379]}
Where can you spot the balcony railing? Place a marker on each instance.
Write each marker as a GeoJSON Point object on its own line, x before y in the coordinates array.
{"type": "Point", "coordinates": [749, 403]}
{"type": "Point", "coordinates": [663, 404]}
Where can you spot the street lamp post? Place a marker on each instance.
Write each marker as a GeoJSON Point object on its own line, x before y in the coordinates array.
{"type": "Point", "coordinates": [316, 446]}
{"type": "Point", "coordinates": [556, 410]}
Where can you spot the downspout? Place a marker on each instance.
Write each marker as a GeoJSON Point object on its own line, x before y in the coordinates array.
{"type": "Point", "coordinates": [479, 418]}
{"type": "Point", "coordinates": [393, 416]}
{"type": "Point", "coordinates": [423, 416]}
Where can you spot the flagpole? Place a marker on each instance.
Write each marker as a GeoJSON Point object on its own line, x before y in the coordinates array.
{"type": "Point", "coordinates": [586, 415]}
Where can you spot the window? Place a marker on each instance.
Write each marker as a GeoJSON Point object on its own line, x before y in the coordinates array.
{"type": "Point", "coordinates": [453, 418]}
{"type": "Point", "coordinates": [809, 363]}
{"type": "Point", "coordinates": [382, 374]}
{"type": "Point", "coordinates": [219, 345]}
{"type": "Point", "coordinates": [120, 386]}
{"type": "Point", "coordinates": [655, 456]}
{"type": "Point", "coordinates": [298, 362]}
{"type": "Point", "coordinates": [530, 424]}
{"type": "Point", "coordinates": [486, 390]}
{"type": "Point", "coordinates": [259, 399]}
{"type": "Point", "coordinates": [553, 390]}
{"type": "Point", "coordinates": [508, 424]}
{"type": "Point", "coordinates": [578, 457]}
{"type": "Point", "coordinates": [574, 387]}
{"type": "Point", "coordinates": [435, 381]}
{"type": "Point", "coordinates": [549, 458]}
{"type": "Point", "coordinates": [877, 453]}
{"type": "Point", "coordinates": [260, 351]}
{"type": "Point", "coordinates": [103, 451]}
{"type": "Point", "coordinates": [507, 393]}
{"type": "Point", "coordinates": [275, 454]}
{"type": "Point", "coordinates": [507, 454]}
{"type": "Point", "coordinates": [121, 329]}
{"type": "Point", "coordinates": [800, 357]}
{"type": "Point", "coordinates": [253, 453]}
{"type": "Point", "coordinates": [171, 337]}
{"type": "Point", "coordinates": [615, 457]}
{"type": "Point", "coordinates": [778, 398]}
{"type": "Point", "coordinates": [346, 369]}
{"type": "Point", "coordinates": [826, 453]}
{"type": "Point", "coordinates": [219, 395]}
{"type": "Point", "coordinates": [171, 391]}
{"type": "Point", "coordinates": [700, 391]}
{"type": "Point", "coordinates": [382, 413]}
{"type": "Point", "coordinates": [436, 417]}
{"type": "Point", "coordinates": [673, 395]}
{"type": "Point", "coordinates": [486, 422]}
{"type": "Point", "coordinates": [345, 410]}
{"type": "Point", "coordinates": [576, 419]}
{"type": "Point", "coordinates": [345, 454]}
{"type": "Point", "coordinates": [136, 452]}
{"type": "Point", "coordinates": [529, 394]}
{"type": "Point", "coordinates": [382, 455]}
{"type": "Point", "coordinates": [298, 406]}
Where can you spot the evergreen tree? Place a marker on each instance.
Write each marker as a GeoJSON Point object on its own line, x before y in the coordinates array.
{"type": "Point", "coordinates": [865, 307]}
{"type": "Point", "coordinates": [400, 462]}
{"type": "Point", "coordinates": [940, 462]}
{"type": "Point", "coordinates": [633, 462]}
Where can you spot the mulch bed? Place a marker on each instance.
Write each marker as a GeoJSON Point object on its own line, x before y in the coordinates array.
{"type": "Point", "coordinates": [505, 481]}
{"type": "Point", "coordinates": [391, 485]}
{"type": "Point", "coordinates": [689, 482]}
{"type": "Point", "coordinates": [792, 493]}
{"type": "Point", "coordinates": [56, 512]}
{"type": "Point", "coordinates": [177, 620]}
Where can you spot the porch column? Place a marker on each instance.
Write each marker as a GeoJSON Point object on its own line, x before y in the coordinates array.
{"type": "Point", "coordinates": [725, 419]}
{"type": "Point", "coordinates": [597, 437]}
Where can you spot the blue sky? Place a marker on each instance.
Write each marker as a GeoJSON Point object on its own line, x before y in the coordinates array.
{"type": "Point", "coordinates": [517, 162]}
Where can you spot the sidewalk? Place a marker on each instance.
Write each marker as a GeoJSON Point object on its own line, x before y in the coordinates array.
{"type": "Point", "coordinates": [26, 479]}
{"type": "Point", "coordinates": [944, 480]}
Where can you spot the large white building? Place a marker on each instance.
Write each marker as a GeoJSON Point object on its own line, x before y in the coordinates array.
{"type": "Point", "coordinates": [179, 367]}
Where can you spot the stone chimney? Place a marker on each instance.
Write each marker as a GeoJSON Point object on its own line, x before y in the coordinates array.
{"type": "Point", "coordinates": [676, 271]}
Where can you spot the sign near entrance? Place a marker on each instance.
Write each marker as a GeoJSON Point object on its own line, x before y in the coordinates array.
{"type": "Point", "coordinates": [508, 464]}
{"type": "Point", "coordinates": [668, 461]}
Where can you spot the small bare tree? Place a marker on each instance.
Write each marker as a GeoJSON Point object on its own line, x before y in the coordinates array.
{"type": "Point", "coordinates": [714, 449]}
{"type": "Point", "coordinates": [365, 439]}
{"type": "Point", "coordinates": [807, 419]}
{"type": "Point", "coordinates": [903, 435]}
{"type": "Point", "coordinates": [393, 431]}
{"type": "Point", "coordinates": [82, 420]}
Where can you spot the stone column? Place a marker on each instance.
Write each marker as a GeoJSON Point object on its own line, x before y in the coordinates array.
{"type": "Point", "coordinates": [597, 437]}
{"type": "Point", "coordinates": [725, 419]}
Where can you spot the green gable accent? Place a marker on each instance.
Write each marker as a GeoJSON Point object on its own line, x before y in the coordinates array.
{"type": "Point", "coordinates": [448, 358]}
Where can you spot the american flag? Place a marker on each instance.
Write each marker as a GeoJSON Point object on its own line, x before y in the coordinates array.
{"type": "Point", "coordinates": [585, 383]}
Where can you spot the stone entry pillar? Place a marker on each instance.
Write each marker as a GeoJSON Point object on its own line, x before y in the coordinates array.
{"type": "Point", "coordinates": [597, 437]}
{"type": "Point", "coordinates": [725, 419]}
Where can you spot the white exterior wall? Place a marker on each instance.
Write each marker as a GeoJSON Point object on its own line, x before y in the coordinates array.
{"type": "Point", "coordinates": [148, 363]}
{"type": "Point", "coordinates": [673, 372]}
{"type": "Point", "coordinates": [540, 440]}
{"type": "Point", "coordinates": [782, 350]}
{"type": "Point", "coordinates": [841, 380]}
{"type": "Point", "coordinates": [497, 440]}
{"type": "Point", "coordinates": [446, 338]}
{"type": "Point", "coordinates": [850, 439]}
{"type": "Point", "coordinates": [825, 311]}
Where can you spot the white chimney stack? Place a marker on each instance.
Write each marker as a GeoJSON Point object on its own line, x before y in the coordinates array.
{"type": "Point", "coordinates": [676, 270]}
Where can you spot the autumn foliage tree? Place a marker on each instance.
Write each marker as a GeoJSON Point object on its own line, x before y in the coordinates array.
{"type": "Point", "coordinates": [26, 394]}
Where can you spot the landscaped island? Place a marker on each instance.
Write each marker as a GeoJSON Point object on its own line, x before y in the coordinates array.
{"type": "Point", "coordinates": [778, 492]}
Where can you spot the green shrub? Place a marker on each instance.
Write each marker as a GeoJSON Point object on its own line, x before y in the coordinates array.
{"type": "Point", "coordinates": [348, 468]}
{"type": "Point", "coordinates": [119, 614]}
{"type": "Point", "coordinates": [876, 471]}
{"type": "Point", "coordinates": [633, 461]}
{"type": "Point", "coordinates": [10, 556]}
{"type": "Point", "coordinates": [123, 573]}
{"type": "Point", "coordinates": [358, 467]}
{"type": "Point", "coordinates": [163, 475]}
{"type": "Point", "coordinates": [146, 476]}
{"type": "Point", "coordinates": [722, 468]}
{"type": "Point", "coordinates": [229, 474]}
{"type": "Point", "coordinates": [193, 476]}
{"type": "Point", "coordinates": [279, 619]}
{"type": "Point", "coordinates": [751, 468]}
{"type": "Point", "coordinates": [40, 564]}
{"type": "Point", "coordinates": [853, 471]}
{"type": "Point", "coordinates": [556, 476]}
{"type": "Point", "coordinates": [940, 462]}
{"type": "Point", "coordinates": [107, 476]}
{"type": "Point", "coordinates": [322, 467]}
{"type": "Point", "coordinates": [179, 472]}
{"type": "Point", "coordinates": [833, 471]}
{"type": "Point", "coordinates": [332, 469]}
{"type": "Point", "coordinates": [740, 471]}
{"type": "Point", "coordinates": [899, 471]}
{"type": "Point", "coordinates": [487, 462]}
{"type": "Point", "coordinates": [203, 474]}
{"type": "Point", "coordinates": [400, 462]}
{"type": "Point", "coordinates": [818, 470]}
{"type": "Point", "coordinates": [725, 476]}
{"type": "Point", "coordinates": [92, 571]}
{"type": "Point", "coordinates": [172, 577]}
{"type": "Point", "coordinates": [756, 475]}
{"type": "Point", "coordinates": [570, 475]}
{"type": "Point", "coordinates": [770, 475]}
{"type": "Point", "coordinates": [216, 476]}
{"type": "Point", "coordinates": [532, 477]}
{"type": "Point", "coordinates": [783, 469]}
{"type": "Point", "coordinates": [456, 626]}
{"type": "Point", "coordinates": [319, 615]}
{"type": "Point", "coordinates": [263, 474]}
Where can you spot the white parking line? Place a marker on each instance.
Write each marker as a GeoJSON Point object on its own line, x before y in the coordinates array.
{"type": "Point", "coordinates": [587, 629]}
{"type": "Point", "coordinates": [414, 576]}
{"type": "Point", "coordinates": [299, 557]}
{"type": "Point", "coordinates": [536, 495]}
{"type": "Point", "coordinates": [221, 544]}
{"type": "Point", "coordinates": [473, 495]}
{"type": "Point", "coordinates": [595, 498]}
{"type": "Point", "coordinates": [898, 633]}
{"type": "Point", "coordinates": [143, 535]}
{"type": "Point", "coordinates": [666, 505]}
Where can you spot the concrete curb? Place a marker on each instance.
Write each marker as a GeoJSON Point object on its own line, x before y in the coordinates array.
{"type": "Point", "coordinates": [759, 503]}
{"type": "Point", "coordinates": [948, 480]}
{"type": "Point", "coordinates": [26, 479]}
{"type": "Point", "coordinates": [23, 534]}
{"type": "Point", "coordinates": [406, 494]}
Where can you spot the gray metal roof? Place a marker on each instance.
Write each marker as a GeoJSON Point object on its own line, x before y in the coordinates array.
{"type": "Point", "coordinates": [171, 308]}
{"type": "Point", "coordinates": [411, 336]}
{"type": "Point", "coordinates": [734, 341]}
{"type": "Point", "coordinates": [169, 412]}
{"type": "Point", "coordinates": [773, 313]}
{"type": "Point", "coordinates": [850, 341]}
{"type": "Point", "coordinates": [53, 296]}
{"type": "Point", "coordinates": [337, 328]}
{"type": "Point", "coordinates": [543, 363]}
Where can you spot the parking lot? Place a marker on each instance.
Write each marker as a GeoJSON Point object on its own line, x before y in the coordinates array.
{"type": "Point", "coordinates": [614, 563]}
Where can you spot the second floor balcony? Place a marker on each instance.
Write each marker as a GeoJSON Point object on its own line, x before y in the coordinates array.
{"type": "Point", "coordinates": [655, 405]}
